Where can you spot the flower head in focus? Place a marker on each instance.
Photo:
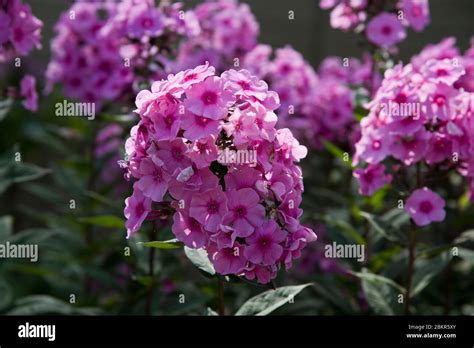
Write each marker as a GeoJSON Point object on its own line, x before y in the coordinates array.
{"type": "Point", "coordinates": [227, 172]}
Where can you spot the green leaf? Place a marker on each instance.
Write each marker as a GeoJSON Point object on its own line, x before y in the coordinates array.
{"type": "Point", "coordinates": [43, 304]}
{"type": "Point", "coordinates": [384, 227]}
{"type": "Point", "coordinates": [144, 280]}
{"type": "Point", "coordinates": [377, 200]}
{"type": "Point", "coordinates": [22, 172]}
{"type": "Point", "coordinates": [268, 301]}
{"type": "Point", "coordinates": [103, 200]}
{"type": "Point", "coordinates": [381, 293]}
{"type": "Point", "coordinates": [360, 113]}
{"type": "Point", "coordinates": [464, 201]}
{"type": "Point", "coordinates": [335, 293]}
{"type": "Point", "coordinates": [167, 244]}
{"type": "Point", "coordinates": [361, 96]}
{"type": "Point", "coordinates": [109, 221]}
{"type": "Point", "coordinates": [119, 118]}
{"type": "Point", "coordinates": [383, 257]}
{"type": "Point", "coordinates": [210, 312]}
{"type": "Point", "coordinates": [33, 235]}
{"type": "Point", "coordinates": [467, 255]}
{"type": "Point", "coordinates": [44, 192]}
{"type": "Point", "coordinates": [5, 106]}
{"type": "Point", "coordinates": [338, 152]}
{"type": "Point", "coordinates": [68, 179]}
{"type": "Point", "coordinates": [6, 294]}
{"type": "Point", "coordinates": [6, 227]}
{"type": "Point", "coordinates": [200, 259]}
{"type": "Point", "coordinates": [47, 139]}
{"type": "Point", "coordinates": [18, 172]}
{"type": "Point", "coordinates": [376, 225]}
{"type": "Point", "coordinates": [427, 269]}
{"type": "Point", "coordinates": [344, 227]}
{"type": "Point", "coordinates": [371, 277]}
{"type": "Point", "coordinates": [465, 237]}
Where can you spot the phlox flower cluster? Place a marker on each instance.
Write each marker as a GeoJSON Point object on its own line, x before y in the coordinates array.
{"type": "Point", "coordinates": [105, 50]}
{"type": "Point", "coordinates": [243, 210]}
{"type": "Point", "coordinates": [20, 33]}
{"type": "Point", "coordinates": [383, 22]}
{"type": "Point", "coordinates": [315, 105]}
{"type": "Point", "coordinates": [20, 30]}
{"type": "Point", "coordinates": [291, 77]}
{"type": "Point", "coordinates": [421, 115]}
{"type": "Point", "coordinates": [350, 70]}
{"type": "Point", "coordinates": [228, 30]}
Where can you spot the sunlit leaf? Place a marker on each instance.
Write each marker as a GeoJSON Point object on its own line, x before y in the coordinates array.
{"type": "Point", "coordinates": [6, 226]}
{"type": "Point", "coordinates": [385, 228]}
{"type": "Point", "coordinates": [427, 269]}
{"type": "Point", "coordinates": [200, 259]}
{"type": "Point", "coordinates": [6, 294]}
{"type": "Point", "coordinates": [381, 293]}
{"type": "Point", "coordinates": [43, 304]}
{"type": "Point", "coordinates": [167, 244]}
{"type": "Point", "coordinates": [268, 301]}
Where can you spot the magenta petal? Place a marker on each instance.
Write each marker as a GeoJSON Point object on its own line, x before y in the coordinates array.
{"type": "Point", "coordinates": [199, 213]}
{"type": "Point", "coordinates": [256, 215]}
{"type": "Point", "coordinates": [212, 223]}
{"type": "Point", "coordinates": [243, 228]}
{"type": "Point", "coordinates": [273, 254]}
{"type": "Point", "coordinates": [253, 253]}
{"type": "Point", "coordinates": [249, 196]}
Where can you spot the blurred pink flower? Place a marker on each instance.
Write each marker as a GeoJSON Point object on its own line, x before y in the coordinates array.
{"type": "Point", "coordinates": [28, 91]}
{"type": "Point", "coordinates": [371, 179]}
{"type": "Point", "coordinates": [144, 21]}
{"type": "Point", "coordinates": [416, 13]}
{"type": "Point", "coordinates": [425, 206]}
{"type": "Point", "coordinates": [385, 30]}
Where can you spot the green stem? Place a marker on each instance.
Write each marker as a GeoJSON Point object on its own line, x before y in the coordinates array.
{"type": "Point", "coordinates": [411, 268]}
{"type": "Point", "coordinates": [220, 295]}
{"type": "Point", "coordinates": [90, 184]}
{"type": "Point", "coordinates": [448, 290]}
{"type": "Point", "coordinates": [151, 272]}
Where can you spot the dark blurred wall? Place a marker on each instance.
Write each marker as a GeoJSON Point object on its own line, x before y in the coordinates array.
{"type": "Point", "coordinates": [309, 32]}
